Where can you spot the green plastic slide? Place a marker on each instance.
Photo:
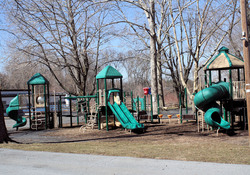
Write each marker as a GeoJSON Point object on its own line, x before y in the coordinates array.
{"type": "Point", "coordinates": [124, 116]}
{"type": "Point", "coordinates": [13, 112]}
{"type": "Point", "coordinates": [206, 101]}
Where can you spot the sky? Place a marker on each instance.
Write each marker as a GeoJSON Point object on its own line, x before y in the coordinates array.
{"type": "Point", "coordinates": [3, 38]}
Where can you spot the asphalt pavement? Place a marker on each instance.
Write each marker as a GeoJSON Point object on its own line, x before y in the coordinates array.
{"type": "Point", "coordinates": [46, 163]}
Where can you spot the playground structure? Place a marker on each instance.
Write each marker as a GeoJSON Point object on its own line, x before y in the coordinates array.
{"type": "Point", "coordinates": [219, 102]}
{"type": "Point", "coordinates": [222, 101]}
{"type": "Point", "coordinates": [34, 105]}
{"type": "Point", "coordinates": [23, 102]}
{"type": "Point", "coordinates": [112, 99]}
{"type": "Point", "coordinates": [109, 105]}
{"type": "Point", "coordinates": [39, 102]}
{"type": "Point", "coordinates": [106, 105]}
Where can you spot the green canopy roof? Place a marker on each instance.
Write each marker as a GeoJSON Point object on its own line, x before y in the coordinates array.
{"type": "Point", "coordinates": [37, 79]}
{"type": "Point", "coordinates": [108, 73]}
{"type": "Point", "coordinates": [224, 60]}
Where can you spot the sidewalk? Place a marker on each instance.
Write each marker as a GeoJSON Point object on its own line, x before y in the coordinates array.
{"type": "Point", "coordinates": [40, 163]}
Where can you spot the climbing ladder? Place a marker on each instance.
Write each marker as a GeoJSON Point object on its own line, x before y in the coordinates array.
{"type": "Point", "coordinates": [38, 121]}
{"type": "Point", "coordinates": [201, 124]}
{"type": "Point", "coordinates": [200, 120]}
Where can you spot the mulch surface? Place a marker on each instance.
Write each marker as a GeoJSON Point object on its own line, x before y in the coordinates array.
{"type": "Point", "coordinates": [153, 132]}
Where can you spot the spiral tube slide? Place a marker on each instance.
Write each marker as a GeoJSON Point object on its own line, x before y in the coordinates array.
{"type": "Point", "coordinates": [206, 101]}
{"type": "Point", "coordinates": [12, 112]}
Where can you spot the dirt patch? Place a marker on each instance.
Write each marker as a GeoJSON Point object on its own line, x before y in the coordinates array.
{"type": "Point", "coordinates": [186, 132]}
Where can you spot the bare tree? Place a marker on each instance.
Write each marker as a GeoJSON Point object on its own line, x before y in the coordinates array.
{"type": "Point", "coordinates": [150, 31]}
{"type": "Point", "coordinates": [231, 33]}
{"type": "Point", "coordinates": [18, 73]}
{"type": "Point", "coordinates": [210, 17]}
{"type": "Point", "coordinates": [4, 81]}
{"type": "Point", "coordinates": [61, 35]}
{"type": "Point", "coordinates": [137, 69]}
{"type": "Point", "coordinates": [171, 64]}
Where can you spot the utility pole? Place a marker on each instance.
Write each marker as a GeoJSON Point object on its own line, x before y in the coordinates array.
{"type": "Point", "coordinates": [246, 57]}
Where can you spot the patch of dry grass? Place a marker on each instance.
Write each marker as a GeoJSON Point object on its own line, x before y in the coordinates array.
{"type": "Point", "coordinates": [160, 141]}
{"type": "Point", "coordinates": [175, 149]}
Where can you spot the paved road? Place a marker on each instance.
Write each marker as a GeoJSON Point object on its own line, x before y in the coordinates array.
{"type": "Point", "coordinates": [45, 163]}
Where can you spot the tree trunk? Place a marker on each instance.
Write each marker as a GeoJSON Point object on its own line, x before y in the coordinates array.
{"type": "Point", "coordinates": [3, 131]}
{"type": "Point", "coordinates": [153, 56]}
{"type": "Point", "coordinates": [159, 78]}
{"type": "Point", "coordinates": [196, 79]}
